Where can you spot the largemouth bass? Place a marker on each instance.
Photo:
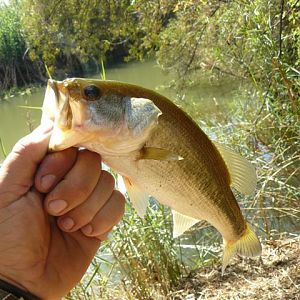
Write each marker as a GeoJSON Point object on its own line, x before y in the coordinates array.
{"type": "Point", "coordinates": [159, 150]}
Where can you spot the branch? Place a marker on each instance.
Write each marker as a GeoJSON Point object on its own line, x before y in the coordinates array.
{"type": "Point", "coordinates": [280, 28]}
{"type": "Point", "coordinates": [199, 40]}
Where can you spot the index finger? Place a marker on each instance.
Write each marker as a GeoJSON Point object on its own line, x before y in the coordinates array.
{"type": "Point", "coordinates": [53, 168]}
{"type": "Point", "coordinates": [18, 169]}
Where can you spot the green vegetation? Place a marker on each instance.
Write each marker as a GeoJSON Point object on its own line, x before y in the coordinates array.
{"type": "Point", "coordinates": [255, 42]}
{"type": "Point", "coordinates": [15, 67]}
{"type": "Point", "coordinates": [65, 34]}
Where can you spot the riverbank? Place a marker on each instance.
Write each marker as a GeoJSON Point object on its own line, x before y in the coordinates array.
{"type": "Point", "coordinates": [276, 275]}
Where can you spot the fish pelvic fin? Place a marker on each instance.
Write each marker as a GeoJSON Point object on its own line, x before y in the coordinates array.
{"type": "Point", "coordinates": [248, 245]}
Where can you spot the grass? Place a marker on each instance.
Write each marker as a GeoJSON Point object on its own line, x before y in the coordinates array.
{"type": "Point", "coordinates": [142, 258]}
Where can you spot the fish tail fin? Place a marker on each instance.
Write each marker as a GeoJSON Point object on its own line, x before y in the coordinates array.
{"type": "Point", "coordinates": [248, 245]}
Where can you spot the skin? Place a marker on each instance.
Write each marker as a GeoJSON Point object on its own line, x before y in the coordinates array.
{"type": "Point", "coordinates": [45, 250]}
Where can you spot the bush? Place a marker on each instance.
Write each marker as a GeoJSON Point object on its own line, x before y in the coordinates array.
{"type": "Point", "coordinates": [15, 68]}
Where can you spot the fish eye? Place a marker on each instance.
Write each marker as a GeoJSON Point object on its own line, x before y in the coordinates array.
{"type": "Point", "coordinates": [91, 92]}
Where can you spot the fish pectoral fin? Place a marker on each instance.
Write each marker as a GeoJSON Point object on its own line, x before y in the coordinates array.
{"type": "Point", "coordinates": [158, 154]}
{"type": "Point", "coordinates": [248, 245]}
{"type": "Point", "coordinates": [181, 223]}
{"type": "Point", "coordinates": [138, 198]}
{"type": "Point", "coordinates": [242, 172]}
{"type": "Point", "coordinates": [62, 139]}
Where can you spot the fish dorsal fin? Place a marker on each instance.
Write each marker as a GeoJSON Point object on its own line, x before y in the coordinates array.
{"type": "Point", "coordinates": [242, 172]}
{"type": "Point", "coordinates": [158, 154]}
{"type": "Point", "coordinates": [181, 223]}
{"type": "Point", "coordinates": [138, 198]}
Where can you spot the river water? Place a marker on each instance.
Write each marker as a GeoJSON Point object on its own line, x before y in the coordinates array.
{"type": "Point", "coordinates": [17, 121]}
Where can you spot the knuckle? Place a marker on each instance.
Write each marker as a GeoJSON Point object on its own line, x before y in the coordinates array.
{"type": "Point", "coordinates": [54, 157]}
{"type": "Point", "coordinates": [99, 227]}
{"type": "Point", "coordinates": [119, 196]}
{"type": "Point", "coordinates": [72, 192]}
{"type": "Point", "coordinates": [86, 154]}
{"type": "Point", "coordinates": [87, 213]}
{"type": "Point", "coordinates": [82, 191]}
{"type": "Point", "coordinates": [83, 218]}
{"type": "Point", "coordinates": [61, 159]}
{"type": "Point", "coordinates": [23, 147]}
{"type": "Point", "coordinates": [107, 178]}
{"type": "Point", "coordinates": [120, 203]}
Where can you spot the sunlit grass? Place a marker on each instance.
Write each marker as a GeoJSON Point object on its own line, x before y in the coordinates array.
{"type": "Point", "coordinates": [142, 259]}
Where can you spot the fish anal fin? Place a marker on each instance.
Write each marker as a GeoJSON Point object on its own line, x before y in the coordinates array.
{"type": "Point", "coordinates": [138, 198]}
{"type": "Point", "coordinates": [158, 154]}
{"type": "Point", "coordinates": [248, 245]}
{"type": "Point", "coordinates": [181, 223]}
{"type": "Point", "coordinates": [242, 172]}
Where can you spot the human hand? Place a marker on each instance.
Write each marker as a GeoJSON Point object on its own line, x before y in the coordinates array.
{"type": "Point", "coordinates": [45, 248]}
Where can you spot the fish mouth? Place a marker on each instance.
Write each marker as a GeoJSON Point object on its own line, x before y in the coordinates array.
{"type": "Point", "coordinates": [57, 108]}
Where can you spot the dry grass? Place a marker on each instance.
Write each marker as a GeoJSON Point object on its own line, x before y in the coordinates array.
{"type": "Point", "coordinates": [276, 275]}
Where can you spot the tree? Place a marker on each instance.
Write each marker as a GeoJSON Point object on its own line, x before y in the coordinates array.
{"type": "Point", "coordinates": [59, 32]}
{"type": "Point", "coordinates": [15, 67]}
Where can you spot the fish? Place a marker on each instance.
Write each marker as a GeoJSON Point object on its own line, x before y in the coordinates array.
{"type": "Point", "coordinates": [158, 150]}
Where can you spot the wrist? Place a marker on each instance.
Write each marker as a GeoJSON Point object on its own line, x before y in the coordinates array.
{"type": "Point", "coordinates": [13, 282]}
{"type": "Point", "coordinates": [13, 292]}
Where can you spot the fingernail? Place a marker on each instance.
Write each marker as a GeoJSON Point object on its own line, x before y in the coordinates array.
{"type": "Point", "coordinates": [57, 206]}
{"type": "Point", "coordinates": [47, 181]}
{"type": "Point", "coordinates": [67, 223]}
{"type": "Point", "coordinates": [87, 230]}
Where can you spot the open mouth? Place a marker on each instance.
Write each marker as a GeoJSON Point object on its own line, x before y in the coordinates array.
{"type": "Point", "coordinates": [56, 108]}
{"type": "Point", "coordinates": [56, 105]}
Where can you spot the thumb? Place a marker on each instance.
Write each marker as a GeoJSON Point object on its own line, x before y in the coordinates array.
{"type": "Point", "coordinates": [18, 169]}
